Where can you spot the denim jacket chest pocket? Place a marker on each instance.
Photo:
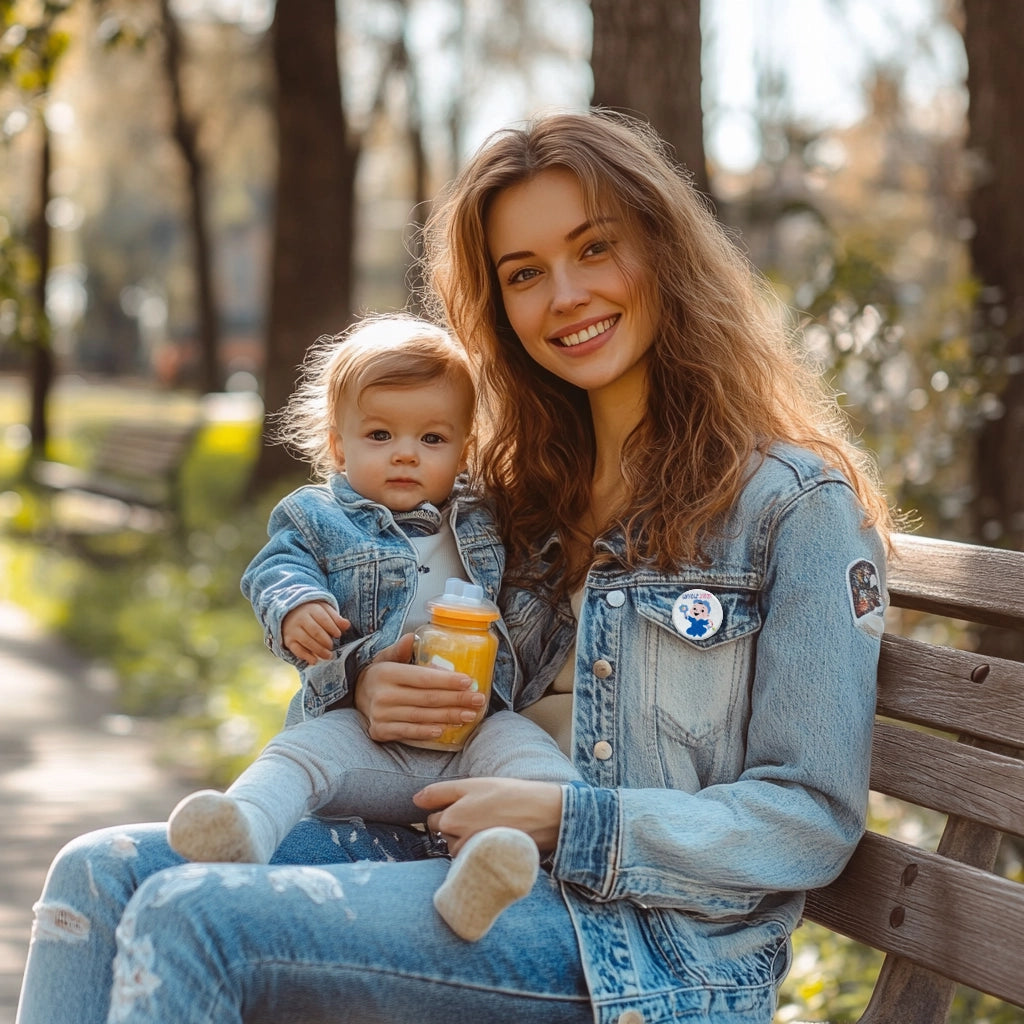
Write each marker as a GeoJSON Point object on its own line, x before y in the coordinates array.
{"type": "Point", "coordinates": [372, 586]}
{"type": "Point", "coordinates": [700, 693]}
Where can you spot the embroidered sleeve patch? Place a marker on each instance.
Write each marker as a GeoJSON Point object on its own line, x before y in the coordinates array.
{"type": "Point", "coordinates": [866, 596]}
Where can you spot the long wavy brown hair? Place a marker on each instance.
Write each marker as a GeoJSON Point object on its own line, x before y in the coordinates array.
{"type": "Point", "coordinates": [726, 377]}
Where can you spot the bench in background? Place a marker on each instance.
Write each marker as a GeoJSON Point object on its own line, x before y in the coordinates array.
{"type": "Point", "coordinates": [948, 737]}
{"type": "Point", "coordinates": [133, 481]}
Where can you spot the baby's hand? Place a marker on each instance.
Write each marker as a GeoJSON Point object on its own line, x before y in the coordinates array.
{"type": "Point", "coordinates": [310, 630]}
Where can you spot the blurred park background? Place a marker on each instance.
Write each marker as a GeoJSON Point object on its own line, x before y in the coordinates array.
{"type": "Point", "coordinates": [191, 191]}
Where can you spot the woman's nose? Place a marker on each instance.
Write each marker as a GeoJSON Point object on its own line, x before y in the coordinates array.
{"type": "Point", "coordinates": [568, 292]}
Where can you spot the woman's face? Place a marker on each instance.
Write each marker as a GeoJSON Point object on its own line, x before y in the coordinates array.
{"type": "Point", "coordinates": [578, 310]}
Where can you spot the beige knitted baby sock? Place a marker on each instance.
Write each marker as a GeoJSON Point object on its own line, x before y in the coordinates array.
{"type": "Point", "coordinates": [495, 868]}
{"type": "Point", "coordinates": [214, 828]}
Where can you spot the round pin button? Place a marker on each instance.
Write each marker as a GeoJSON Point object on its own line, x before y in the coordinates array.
{"type": "Point", "coordinates": [697, 614]}
{"type": "Point", "coordinates": [616, 598]}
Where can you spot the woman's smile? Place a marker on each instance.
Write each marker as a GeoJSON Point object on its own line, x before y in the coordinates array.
{"type": "Point", "coordinates": [588, 332]}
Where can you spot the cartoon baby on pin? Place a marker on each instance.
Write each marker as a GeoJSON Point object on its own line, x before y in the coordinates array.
{"type": "Point", "coordinates": [697, 614]}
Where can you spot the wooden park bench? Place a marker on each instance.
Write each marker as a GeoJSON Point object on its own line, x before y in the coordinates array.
{"type": "Point", "coordinates": [133, 481]}
{"type": "Point", "coordinates": [949, 735]}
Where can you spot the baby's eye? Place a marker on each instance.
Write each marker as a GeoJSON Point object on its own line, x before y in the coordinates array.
{"type": "Point", "coordinates": [432, 439]}
{"type": "Point", "coordinates": [380, 435]}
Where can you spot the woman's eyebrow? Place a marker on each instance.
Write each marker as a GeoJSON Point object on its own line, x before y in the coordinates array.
{"type": "Point", "coordinates": [586, 226]}
{"type": "Point", "coordinates": [575, 233]}
{"type": "Point", "coordinates": [523, 254]}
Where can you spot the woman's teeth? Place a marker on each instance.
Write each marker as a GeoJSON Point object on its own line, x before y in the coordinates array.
{"type": "Point", "coordinates": [571, 340]}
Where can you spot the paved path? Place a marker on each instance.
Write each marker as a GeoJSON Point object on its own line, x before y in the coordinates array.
{"type": "Point", "coordinates": [67, 765]}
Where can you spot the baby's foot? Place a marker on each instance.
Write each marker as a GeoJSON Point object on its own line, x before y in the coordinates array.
{"type": "Point", "coordinates": [495, 868]}
{"type": "Point", "coordinates": [211, 827]}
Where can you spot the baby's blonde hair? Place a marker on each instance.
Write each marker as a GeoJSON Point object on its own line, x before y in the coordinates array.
{"type": "Point", "coordinates": [392, 350]}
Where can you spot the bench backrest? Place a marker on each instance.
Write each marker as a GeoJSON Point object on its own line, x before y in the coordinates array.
{"type": "Point", "coordinates": [948, 737]}
{"type": "Point", "coordinates": [149, 456]}
{"type": "Point", "coordinates": [144, 450]}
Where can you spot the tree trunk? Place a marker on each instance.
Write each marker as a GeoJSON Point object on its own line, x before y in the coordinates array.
{"type": "Point", "coordinates": [186, 136]}
{"type": "Point", "coordinates": [994, 37]}
{"type": "Point", "coordinates": [311, 264]}
{"type": "Point", "coordinates": [42, 368]}
{"type": "Point", "coordinates": [420, 171]}
{"type": "Point", "coordinates": [646, 61]}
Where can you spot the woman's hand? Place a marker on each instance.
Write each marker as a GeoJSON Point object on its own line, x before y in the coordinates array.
{"type": "Point", "coordinates": [462, 807]}
{"type": "Point", "coordinates": [401, 701]}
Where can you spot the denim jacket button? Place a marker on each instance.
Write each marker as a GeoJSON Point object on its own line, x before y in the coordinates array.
{"type": "Point", "coordinates": [602, 750]}
{"type": "Point", "coordinates": [631, 1017]}
{"type": "Point", "coordinates": [602, 669]}
{"type": "Point", "coordinates": [616, 598]}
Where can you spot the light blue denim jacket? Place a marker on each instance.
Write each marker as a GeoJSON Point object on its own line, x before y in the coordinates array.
{"type": "Point", "coordinates": [328, 543]}
{"type": "Point", "coordinates": [724, 775]}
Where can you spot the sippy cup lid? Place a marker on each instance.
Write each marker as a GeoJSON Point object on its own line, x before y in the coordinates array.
{"type": "Point", "coordinates": [464, 602]}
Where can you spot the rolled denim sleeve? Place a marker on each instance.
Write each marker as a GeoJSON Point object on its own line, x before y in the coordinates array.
{"type": "Point", "coordinates": [283, 575]}
{"type": "Point", "coordinates": [788, 814]}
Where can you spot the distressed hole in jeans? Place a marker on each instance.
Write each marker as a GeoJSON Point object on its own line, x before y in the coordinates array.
{"type": "Point", "coordinates": [124, 846]}
{"type": "Point", "coordinates": [60, 923]}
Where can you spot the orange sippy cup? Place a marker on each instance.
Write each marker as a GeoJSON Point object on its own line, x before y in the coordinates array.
{"type": "Point", "coordinates": [459, 637]}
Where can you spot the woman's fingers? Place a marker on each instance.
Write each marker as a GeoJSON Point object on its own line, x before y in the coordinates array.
{"type": "Point", "coordinates": [404, 701]}
{"type": "Point", "coordinates": [459, 808]}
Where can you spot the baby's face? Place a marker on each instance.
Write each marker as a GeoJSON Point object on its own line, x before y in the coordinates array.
{"type": "Point", "coordinates": [403, 446]}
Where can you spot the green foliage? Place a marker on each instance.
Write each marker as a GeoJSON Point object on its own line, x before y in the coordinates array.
{"type": "Point", "coordinates": [31, 45]}
{"type": "Point", "coordinates": [168, 616]}
{"type": "Point", "coordinates": [179, 636]}
{"type": "Point", "coordinates": [830, 979]}
{"type": "Point", "coordinates": [217, 472]}
{"type": "Point", "coordinates": [914, 397]}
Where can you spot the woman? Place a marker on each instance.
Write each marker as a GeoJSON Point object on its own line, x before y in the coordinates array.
{"type": "Point", "coordinates": [657, 455]}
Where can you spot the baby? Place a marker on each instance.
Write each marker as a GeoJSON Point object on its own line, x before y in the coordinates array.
{"type": "Point", "coordinates": [384, 414]}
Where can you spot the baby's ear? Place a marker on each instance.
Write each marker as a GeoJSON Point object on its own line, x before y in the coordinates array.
{"type": "Point", "coordinates": [468, 452]}
{"type": "Point", "coordinates": [337, 450]}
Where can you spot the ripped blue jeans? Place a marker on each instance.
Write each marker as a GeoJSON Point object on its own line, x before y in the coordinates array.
{"type": "Point", "coordinates": [340, 927]}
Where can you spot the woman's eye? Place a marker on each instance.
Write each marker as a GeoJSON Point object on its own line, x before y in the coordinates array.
{"type": "Point", "coordinates": [597, 248]}
{"type": "Point", "coordinates": [380, 435]}
{"type": "Point", "coordinates": [521, 275]}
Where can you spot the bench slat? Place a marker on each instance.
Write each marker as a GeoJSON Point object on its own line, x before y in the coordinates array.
{"type": "Point", "coordinates": [949, 917]}
{"type": "Point", "coordinates": [933, 686]}
{"type": "Point", "coordinates": [136, 450]}
{"type": "Point", "coordinates": [961, 580]}
{"type": "Point", "coordinates": [948, 737]}
{"type": "Point", "coordinates": [932, 771]}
